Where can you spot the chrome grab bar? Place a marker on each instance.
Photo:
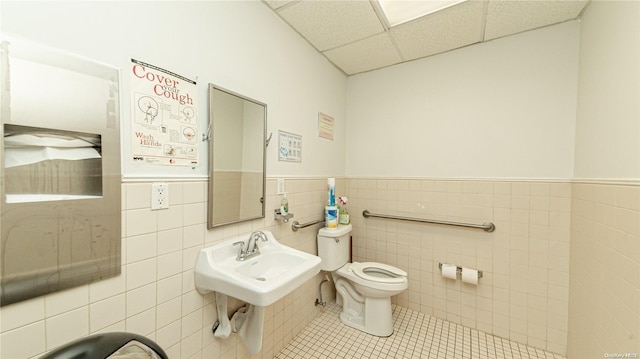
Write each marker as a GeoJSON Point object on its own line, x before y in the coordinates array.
{"type": "Point", "coordinates": [486, 226]}
{"type": "Point", "coordinates": [296, 225]}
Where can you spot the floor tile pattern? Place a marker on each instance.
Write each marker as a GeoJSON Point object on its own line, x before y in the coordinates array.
{"type": "Point", "coordinates": [416, 335]}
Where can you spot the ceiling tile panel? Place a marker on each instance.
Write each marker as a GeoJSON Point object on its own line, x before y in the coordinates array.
{"type": "Point", "coordinates": [276, 4]}
{"type": "Point", "coordinates": [364, 55]}
{"type": "Point", "coordinates": [350, 34]}
{"type": "Point", "coordinates": [331, 23]}
{"type": "Point", "coordinates": [510, 17]}
{"type": "Point", "coordinates": [449, 29]}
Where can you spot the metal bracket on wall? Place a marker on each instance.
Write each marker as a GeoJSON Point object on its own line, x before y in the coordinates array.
{"type": "Point", "coordinates": [268, 140]}
{"type": "Point", "coordinates": [207, 136]}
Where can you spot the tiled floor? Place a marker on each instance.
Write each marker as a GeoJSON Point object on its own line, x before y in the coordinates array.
{"type": "Point", "coordinates": [416, 335]}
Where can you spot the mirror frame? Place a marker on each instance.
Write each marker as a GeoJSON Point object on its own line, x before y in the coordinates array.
{"type": "Point", "coordinates": [211, 138]}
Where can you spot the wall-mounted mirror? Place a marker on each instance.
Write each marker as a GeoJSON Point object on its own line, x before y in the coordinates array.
{"type": "Point", "coordinates": [236, 157]}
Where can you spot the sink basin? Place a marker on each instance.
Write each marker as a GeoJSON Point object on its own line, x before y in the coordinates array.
{"type": "Point", "coordinates": [261, 280]}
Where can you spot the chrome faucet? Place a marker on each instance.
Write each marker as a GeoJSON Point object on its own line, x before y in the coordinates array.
{"type": "Point", "coordinates": [251, 249]}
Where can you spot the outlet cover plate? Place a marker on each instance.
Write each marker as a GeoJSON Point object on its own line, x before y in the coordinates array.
{"type": "Point", "coordinates": [281, 186]}
{"type": "Point", "coordinates": [159, 195]}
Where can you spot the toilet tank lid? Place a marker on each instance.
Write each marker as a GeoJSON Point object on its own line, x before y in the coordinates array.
{"type": "Point", "coordinates": [335, 232]}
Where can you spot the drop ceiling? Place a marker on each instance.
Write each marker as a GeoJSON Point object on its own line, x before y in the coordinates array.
{"type": "Point", "coordinates": [355, 36]}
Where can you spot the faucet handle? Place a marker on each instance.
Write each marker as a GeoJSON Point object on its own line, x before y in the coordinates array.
{"type": "Point", "coordinates": [241, 244]}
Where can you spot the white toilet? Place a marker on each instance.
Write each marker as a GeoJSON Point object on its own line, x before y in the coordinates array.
{"type": "Point", "coordinates": [363, 289]}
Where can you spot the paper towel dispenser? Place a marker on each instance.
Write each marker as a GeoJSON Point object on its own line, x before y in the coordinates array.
{"type": "Point", "coordinates": [42, 164]}
{"type": "Point", "coordinates": [60, 182]}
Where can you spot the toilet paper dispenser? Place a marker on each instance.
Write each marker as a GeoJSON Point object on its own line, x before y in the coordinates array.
{"type": "Point", "coordinates": [459, 272]}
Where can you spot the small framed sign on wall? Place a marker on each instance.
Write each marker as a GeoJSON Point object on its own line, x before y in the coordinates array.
{"type": "Point", "coordinates": [325, 126]}
{"type": "Point", "coordinates": [290, 147]}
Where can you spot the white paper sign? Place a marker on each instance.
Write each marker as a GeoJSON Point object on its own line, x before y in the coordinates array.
{"type": "Point", "coordinates": [290, 147]}
{"type": "Point", "coordinates": [325, 126]}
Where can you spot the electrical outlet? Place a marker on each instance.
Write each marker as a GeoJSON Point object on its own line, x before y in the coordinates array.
{"type": "Point", "coordinates": [159, 195]}
{"type": "Point", "coordinates": [280, 186]}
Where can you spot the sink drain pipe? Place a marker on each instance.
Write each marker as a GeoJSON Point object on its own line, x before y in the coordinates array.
{"type": "Point", "coordinates": [319, 301]}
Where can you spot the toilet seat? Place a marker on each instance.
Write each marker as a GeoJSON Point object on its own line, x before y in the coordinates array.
{"type": "Point", "coordinates": [378, 272]}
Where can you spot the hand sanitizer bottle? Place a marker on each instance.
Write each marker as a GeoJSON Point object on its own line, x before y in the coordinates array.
{"type": "Point", "coordinates": [284, 205]}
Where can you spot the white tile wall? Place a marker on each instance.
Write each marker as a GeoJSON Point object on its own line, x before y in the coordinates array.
{"type": "Point", "coordinates": [155, 295]}
{"type": "Point", "coordinates": [605, 270]}
{"type": "Point", "coordinates": [106, 312]}
{"type": "Point", "coordinates": [29, 311]}
{"type": "Point", "coordinates": [58, 330]}
{"type": "Point", "coordinates": [58, 303]}
{"type": "Point", "coordinates": [523, 295]}
{"type": "Point", "coordinates": [24, 342]}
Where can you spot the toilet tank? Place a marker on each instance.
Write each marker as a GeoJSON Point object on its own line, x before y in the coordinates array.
{"type": "Point", "coordinates": [333, 247]}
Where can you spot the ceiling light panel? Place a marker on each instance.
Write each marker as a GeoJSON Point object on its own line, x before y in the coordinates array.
{"type": "Point", "coordinates": [401, 11]}
{"type": "Point", "coordinates": [330, 24]}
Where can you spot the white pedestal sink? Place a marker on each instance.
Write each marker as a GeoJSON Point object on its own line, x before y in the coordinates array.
{"type": "Point", "coordinates": [259, 281]}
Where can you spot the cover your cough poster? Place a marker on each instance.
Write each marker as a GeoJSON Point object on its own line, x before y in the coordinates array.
{"type": "Point", "coordinates": [164, 119]}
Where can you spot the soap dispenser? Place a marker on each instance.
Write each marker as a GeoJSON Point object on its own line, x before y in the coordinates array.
{"type": "Point", "coordinates": [284, 205]}
{"type": "Point", "coordinates": [282, 213]}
